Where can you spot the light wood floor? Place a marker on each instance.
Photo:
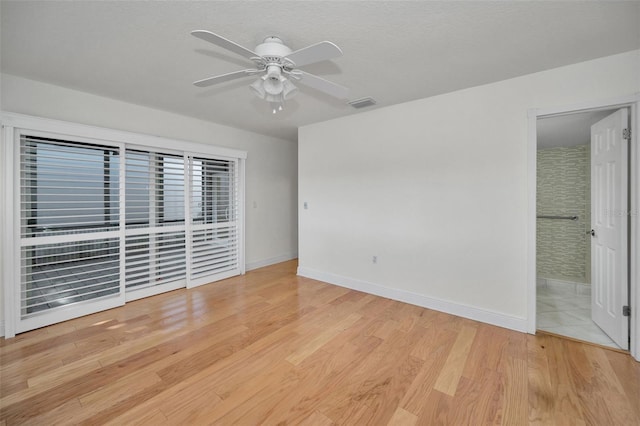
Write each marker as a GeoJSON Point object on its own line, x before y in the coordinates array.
{"type": "Point", "coordinates": [270, 347]}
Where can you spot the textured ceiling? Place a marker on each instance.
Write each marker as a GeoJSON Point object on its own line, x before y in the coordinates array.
{"type": "Point", "coordinates": [394, 51]}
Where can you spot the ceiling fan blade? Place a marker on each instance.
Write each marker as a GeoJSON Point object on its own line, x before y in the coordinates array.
{"type": "Point", "coordinates": [224, 77]}
{"type": "Point", "coordinates": [314, 53]}
{"type": "Point", "coordinates": [322, 85]}
{"type": "Point", "coordinates": [224, 43]}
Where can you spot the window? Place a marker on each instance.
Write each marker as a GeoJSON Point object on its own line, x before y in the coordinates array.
{"type": "Point", "coordinates": [154, 189]}
{"type": "Point", "coordinates": [68, 187]}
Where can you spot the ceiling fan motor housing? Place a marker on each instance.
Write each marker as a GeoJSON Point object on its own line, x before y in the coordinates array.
{"type": "Point", "coordinates": [272, 50]}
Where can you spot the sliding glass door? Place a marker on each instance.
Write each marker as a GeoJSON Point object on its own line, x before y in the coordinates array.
{"type": "Point", "coordinates": [100, 223]}
{"type": "Point", "coordinates": [215, 232]}
{"type": "Point", "coordinates": [155, 254]}
{"type": "Point", "coordinates": [69, 228]}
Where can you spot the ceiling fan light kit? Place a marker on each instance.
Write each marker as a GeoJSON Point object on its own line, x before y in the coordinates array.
{"type": "Point", "coordinates": [276, 64]}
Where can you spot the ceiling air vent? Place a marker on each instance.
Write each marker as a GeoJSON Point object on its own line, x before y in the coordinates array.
{"type": "Point", "coordinates": [362, 102]}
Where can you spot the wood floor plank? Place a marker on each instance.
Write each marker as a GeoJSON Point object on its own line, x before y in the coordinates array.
{"type": "Point", "coordinates": [486, 357]}
{"type": "Point", "coordinates": [245, 395]}
{"type": "Point", "coordinates": [623, 367]}
{"type": "Point", "coordinates": [386, 328]}
{"type": "Point", "coordinates": [185, 408]}
{"type": "Point", "coordinates": [394, 370]}
{"type": "Point", "coordinates": [270, 347]}
{"type": "Point", "coordinates": [42, 383]}
{"type": "Point", "coordinates": [356, 413]}
{"type": "Point", "coordinates": [54, 377]}
{"type": "Point", "coordinates": [255, 409]}
{"type": "Point", "coordinates": [167, 352]}
{"type": "Point", "coordinates": [435, 343]}
{"type": "Point", "coordinates": [515, 393]}
{"type": "Point", "coordinates": [416, 395]}
{"type": "Point", "coordinates": [567, 403]}
{"type": "Point", "coordinates": [322, 338]}
{"type": "Point", "coordinates": [447, 382]}
{"type": "Point", "coordinates": [475, 399]}
{"type": "Point", "coordinates": [402, 417]}
{"type": "Point", "coordinates": [238, 374]}
{"type": "Point", "coordinates": [105, 397]}
{"type": "Point", "coordinates": [9, 356]}
{"type": "Point", "coordinates": [320, 375]}
{"type": "Point", "coordinates": [610, 403]}
{"type": "Point", "coordinates": [316, 419]}
{"type": "Point", "coordinates": [170, 397]}
{"type": "Point", "coordinates": [293, 406]}
{"type": "Point", "coordinates": [38, 362]}
{"type": "Point", "coordinates": [69, 412]}
{"type": "Point", "coordinates": [150, 418]}
{"type": "Point", "coordinates": [384, 402]}
{"type": "Point", "coordinates": [540, 390]}
{"type": "Point", "coordinates": [438, 409]}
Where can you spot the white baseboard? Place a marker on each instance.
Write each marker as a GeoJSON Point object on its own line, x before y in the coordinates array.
{"type": "Point", "coordinates": [578, 288]}
{"type": "Point", "coordinates": [465, 311]}
{"type": "Point", "coordinates": [270, 261]}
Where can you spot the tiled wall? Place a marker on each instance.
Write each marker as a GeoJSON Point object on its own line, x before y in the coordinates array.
{"type": "Point", "coordinates": [564, 189]}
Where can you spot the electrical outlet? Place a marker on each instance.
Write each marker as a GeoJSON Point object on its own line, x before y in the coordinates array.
{"type": "Point", "coordinates": [375, 259]}
{"type": "Point", "coordinates": [306, 206]}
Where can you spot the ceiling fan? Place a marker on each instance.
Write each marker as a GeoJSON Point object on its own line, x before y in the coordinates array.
{"type": "Point", "coordinates": [276, 65]}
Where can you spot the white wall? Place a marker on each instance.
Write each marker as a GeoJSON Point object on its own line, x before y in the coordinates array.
{"type": "Point", "coordinates": [437, 189]}
{"type": "Point", "coordinates": [271, 165]}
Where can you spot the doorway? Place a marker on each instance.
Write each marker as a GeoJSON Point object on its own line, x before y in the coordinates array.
{"type": "Point", "coordinates": [582, 235]}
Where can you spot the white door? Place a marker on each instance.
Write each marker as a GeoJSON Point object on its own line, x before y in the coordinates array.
{"type": "Point", "coordinates": [609, 226]}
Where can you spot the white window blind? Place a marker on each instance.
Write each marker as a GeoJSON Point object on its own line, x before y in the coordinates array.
{"type": "Point", "coordinates": [214, 217]}
{"type": "Point", "coordinates": [155, 210]}
{"type": "Point", "coordinates": [69, 215]}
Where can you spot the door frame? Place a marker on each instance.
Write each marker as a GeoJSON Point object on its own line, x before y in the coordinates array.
{"type": "Point", "coordinates": [633, 103]}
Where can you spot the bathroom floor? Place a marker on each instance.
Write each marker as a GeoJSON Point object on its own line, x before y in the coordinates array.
{"type": "Point", "coordinates": [563, 311]}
